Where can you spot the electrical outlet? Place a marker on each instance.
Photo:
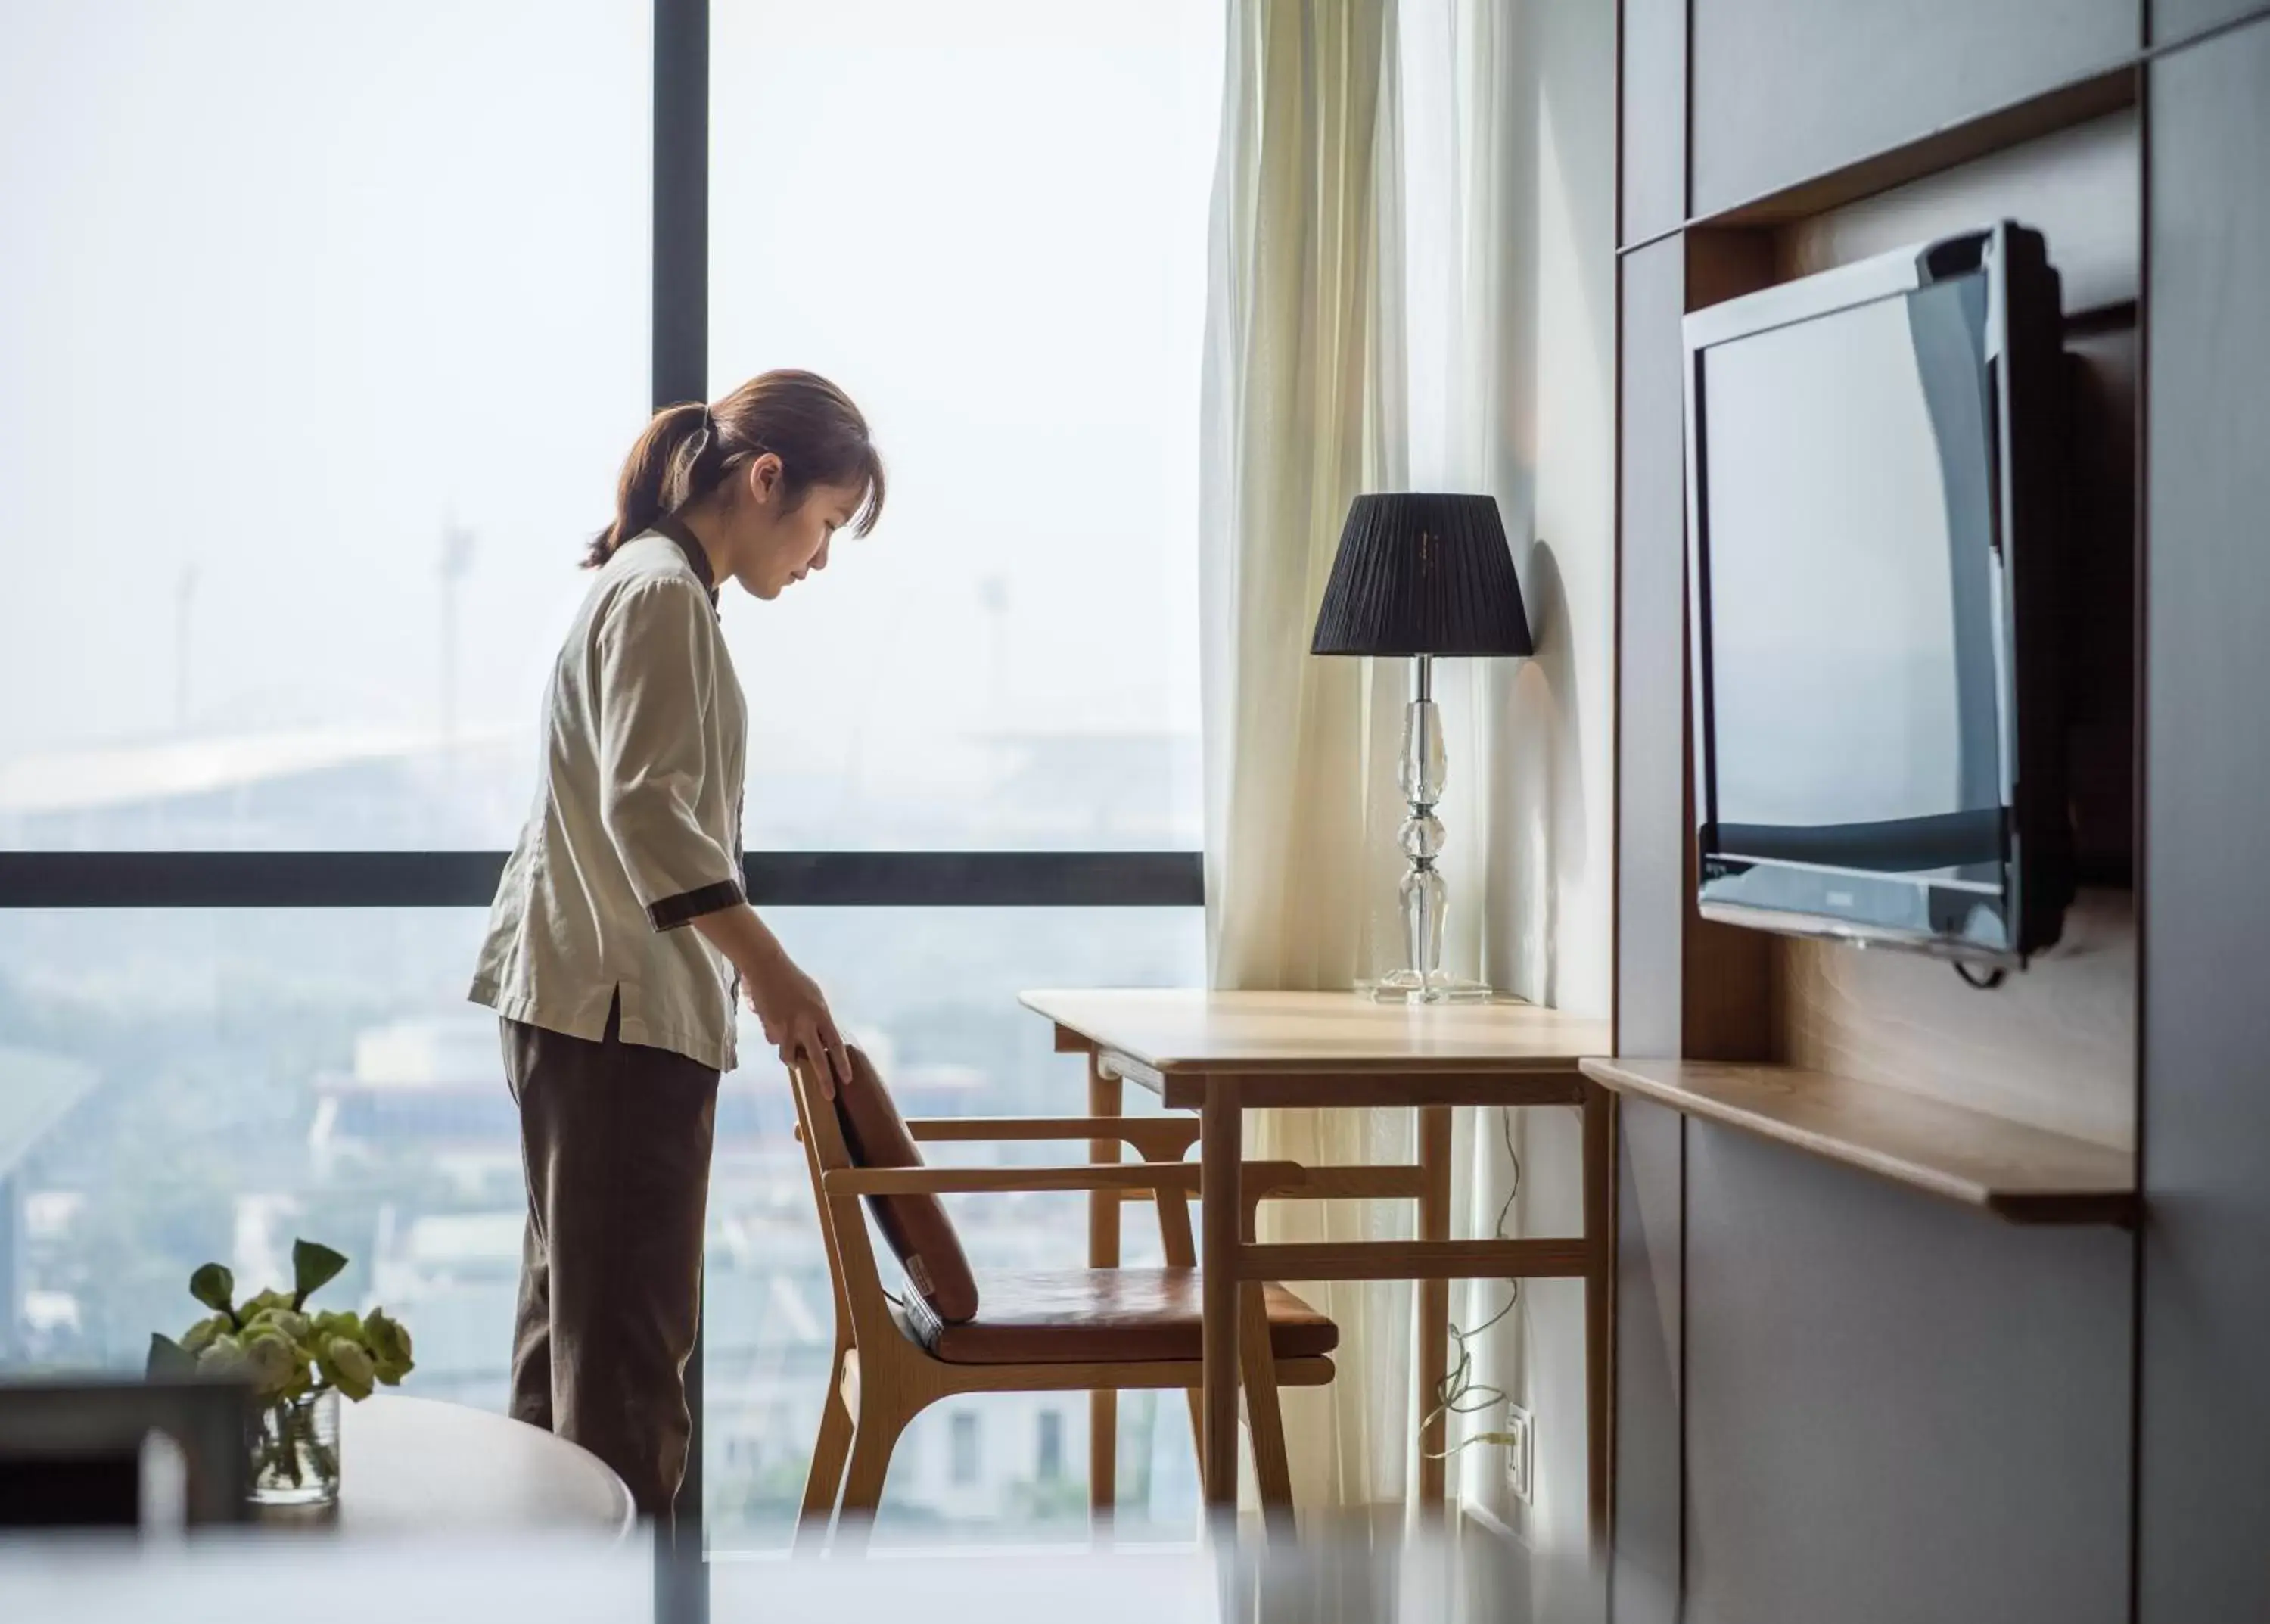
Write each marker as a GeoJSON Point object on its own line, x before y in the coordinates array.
{"type": "Point", "coordinates": [1520, 1452]}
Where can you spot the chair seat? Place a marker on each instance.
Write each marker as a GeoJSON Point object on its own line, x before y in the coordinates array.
{"type": "Point", "coordinates": [1063, 1317]}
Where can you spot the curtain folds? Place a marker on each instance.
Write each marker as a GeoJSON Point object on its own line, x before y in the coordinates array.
{"type": "Point", "coordinates": [1302, 410]}
{"type": "Point", "coordinates": [1351, 346]}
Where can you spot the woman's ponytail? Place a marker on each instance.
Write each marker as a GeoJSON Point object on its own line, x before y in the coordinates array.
{"type": "Point", "coordinates": [656, 477]}
{"type": "Point", "coordinates": [687, 449]}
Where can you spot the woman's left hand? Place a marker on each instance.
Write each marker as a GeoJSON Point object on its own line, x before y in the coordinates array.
{"type": "Point", "coordinates": [788, 1003]}
{"type": "Point", "coordinates": [796, 1019]}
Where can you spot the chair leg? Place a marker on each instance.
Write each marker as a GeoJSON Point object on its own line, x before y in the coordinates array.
{"type": "Point", "coordinates": [872, 1441]}
{"type": "Point", "coordinates": [1274, 1477]}
{"type": "Point", "coordinates": [1182, 1252]}
{"type": "Point", "coordinates": [822, 1482]}
{"type": "Point", "coordinates": [1264, 1420]}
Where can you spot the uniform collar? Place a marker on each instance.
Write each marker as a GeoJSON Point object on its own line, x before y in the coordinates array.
{"type": "Point", "coordinates": [670, 525]}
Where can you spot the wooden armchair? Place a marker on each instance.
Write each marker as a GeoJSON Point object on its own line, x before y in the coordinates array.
{"type": "Point", "coordinates": [1069, 1330]}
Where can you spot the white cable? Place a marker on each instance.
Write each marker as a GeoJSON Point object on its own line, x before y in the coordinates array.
{"type": "Point", "coordinates": [1458, 1392]}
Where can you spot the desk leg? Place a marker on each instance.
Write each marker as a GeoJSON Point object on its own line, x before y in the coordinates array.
{"type": "Point", "coordinates": [1599, 1299]}
{"type": "Point", "coordinates": [1434, 1301]}
{"type": "Point", "coordinates": [1105, 1098]}
{"type": "Point", "coordinates": [1220, 1150]}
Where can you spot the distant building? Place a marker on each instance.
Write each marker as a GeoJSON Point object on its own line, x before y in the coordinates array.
{"type": "Point", "coordinates": [37, 1091]}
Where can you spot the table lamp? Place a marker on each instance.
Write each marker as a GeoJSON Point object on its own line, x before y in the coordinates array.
{"type": "Point", "coordinates": [1427, 576]}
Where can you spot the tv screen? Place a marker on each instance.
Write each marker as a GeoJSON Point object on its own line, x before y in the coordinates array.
{"type": "Point", "coordinates": [1870, 452]}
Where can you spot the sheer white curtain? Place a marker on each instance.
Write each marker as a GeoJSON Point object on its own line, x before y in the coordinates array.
{"type": "Point", "coordinates": [1351, 287]}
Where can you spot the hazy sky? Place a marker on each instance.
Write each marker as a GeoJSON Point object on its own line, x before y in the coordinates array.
{"type": "Point", "coordinates": [292, 287]}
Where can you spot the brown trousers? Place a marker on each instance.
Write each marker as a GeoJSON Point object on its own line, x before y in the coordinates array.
{"type": "Point", "coordinates": [615, 1141]}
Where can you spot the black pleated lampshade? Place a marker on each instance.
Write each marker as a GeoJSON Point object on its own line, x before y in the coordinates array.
{"type": "Point", "coordinates": [1421, 573]}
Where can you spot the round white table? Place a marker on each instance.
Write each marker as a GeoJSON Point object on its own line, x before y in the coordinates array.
{"type": "Point", "coordinates": [417, 1466]}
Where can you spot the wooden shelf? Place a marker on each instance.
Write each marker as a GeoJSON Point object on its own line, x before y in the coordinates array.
{"type": "Point", "coordinates": [2026, 1174]}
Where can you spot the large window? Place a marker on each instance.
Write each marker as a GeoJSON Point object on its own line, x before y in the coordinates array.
{"type": "Point", "coordinates": [326, 328]}
{"type": "Point", "coordinates": [987, 221]}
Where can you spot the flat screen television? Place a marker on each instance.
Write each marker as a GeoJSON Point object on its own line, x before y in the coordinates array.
{"type": "Point", "coordinates": [1874, 483]}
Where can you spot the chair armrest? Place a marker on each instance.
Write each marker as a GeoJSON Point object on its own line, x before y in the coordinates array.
{"type": "Point", "coordinates": [1259, 1180]}
{"type": "Point", "coordinates": [1289, 1181]}
{"type": "Point", "coordinates": [1160, 1138]}
{"type": "Point", "coordinates": [996, 1181]}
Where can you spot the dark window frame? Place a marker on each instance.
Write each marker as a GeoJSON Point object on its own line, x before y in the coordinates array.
{"type": "Point", "coordinates": [201, 879]}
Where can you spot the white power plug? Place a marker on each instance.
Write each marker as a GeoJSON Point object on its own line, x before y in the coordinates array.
{"type": "Point", "coordinates": [1520, 1452]}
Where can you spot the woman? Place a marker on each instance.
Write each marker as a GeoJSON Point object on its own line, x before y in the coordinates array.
{"type": "Point", "coordinates": [620, 932]}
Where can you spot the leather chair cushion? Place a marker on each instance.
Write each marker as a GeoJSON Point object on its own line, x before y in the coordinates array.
{"type": "Point", "coordinates": [916, 1226]}
{"type": "Point", "coordinates": [1104, 1315]}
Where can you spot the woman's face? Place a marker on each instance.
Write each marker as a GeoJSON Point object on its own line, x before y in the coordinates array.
{"type": "Point", "coordinates": [776, 545]}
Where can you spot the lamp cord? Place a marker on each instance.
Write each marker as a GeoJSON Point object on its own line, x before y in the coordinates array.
{"type": "Point", "coordinates": [1459, 1393]}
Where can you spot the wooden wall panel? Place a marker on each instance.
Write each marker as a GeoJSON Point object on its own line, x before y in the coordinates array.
{"type": "Point", "coordinates": [1784, 90]}
{"type": "Point", "coordinates": [1649, 1289]}
{"type": "Point", "coordinates": [1651, 890]}
{"type": "Point", "coordinates": [1897, 1409]}
{"type": "Point", "coordinates": [1651, 654]}
{"type": "Point", "coordinates": [2079, 187]}
{"type": "Point", "coordinates": [1726, 994]}
{"type": "Point", "coordinates": [1653, 103]}
{"type": "Point", "coordinates": [2055, 1047]}
{"type": "Point", "coordinates": [2204, 1481]}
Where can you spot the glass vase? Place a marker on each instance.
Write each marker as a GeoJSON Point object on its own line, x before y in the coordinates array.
{"type": "Point", "coordinates": [295, 1450]}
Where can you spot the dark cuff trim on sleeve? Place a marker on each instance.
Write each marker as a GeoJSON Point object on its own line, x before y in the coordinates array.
{"type": "Point", "coordinates": [672, 911]}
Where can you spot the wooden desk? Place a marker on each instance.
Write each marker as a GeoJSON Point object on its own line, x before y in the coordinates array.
{"type": "Point", "coordinates": [1222, 1053]}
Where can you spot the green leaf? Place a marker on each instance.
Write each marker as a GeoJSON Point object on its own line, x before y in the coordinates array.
{"type": "Point", "coordinates": [169, 1358]}
{"type": "Point", "coordinates": [212, 1285]}
{"type": "Point", "coordinates": [313, 1267]}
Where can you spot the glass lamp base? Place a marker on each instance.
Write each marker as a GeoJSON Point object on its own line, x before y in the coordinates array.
{"type": "Point", "coordinates": [1411, 987]}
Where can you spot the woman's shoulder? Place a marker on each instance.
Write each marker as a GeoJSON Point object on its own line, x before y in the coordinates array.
{"type": "Point", "coordinates": [648, 572]}
{"type": "Point", "coordinates": [647, 600]}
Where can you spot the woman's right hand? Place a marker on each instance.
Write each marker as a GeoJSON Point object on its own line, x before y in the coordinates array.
{"type": "Point", "coordinates": [796, 1018]}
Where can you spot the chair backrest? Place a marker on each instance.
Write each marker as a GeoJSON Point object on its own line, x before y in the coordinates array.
{"type": "Point", "coordinates": [824, 1152]}
{"type": "Point", "coordinates": [915, 1226]}
{"type": "Point", "coordinates": [862, 1307]}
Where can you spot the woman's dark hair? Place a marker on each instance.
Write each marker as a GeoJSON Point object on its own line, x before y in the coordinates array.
{"type": "Point", "coordinates": [689, 448]}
